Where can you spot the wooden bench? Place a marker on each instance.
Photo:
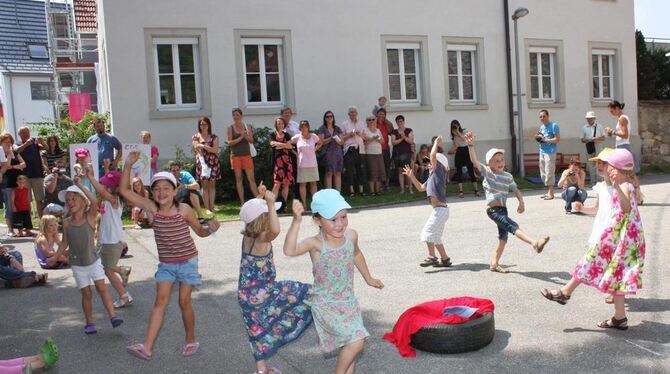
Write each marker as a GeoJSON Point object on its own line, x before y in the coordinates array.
{"type": "Point", "coordinates": [531, 161]}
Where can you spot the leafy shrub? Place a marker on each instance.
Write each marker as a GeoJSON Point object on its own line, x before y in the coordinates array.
{"type": "Point", "coordinates": [69, 132]}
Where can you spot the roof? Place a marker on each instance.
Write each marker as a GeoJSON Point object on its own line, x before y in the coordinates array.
{"type": "Point", "coordinates": [86, 15]}
{"type": "Point", "coordinates": [22, 23]}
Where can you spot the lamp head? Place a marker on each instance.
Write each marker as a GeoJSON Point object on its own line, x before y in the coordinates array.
{"type": "Point", "coordinates": [519, 12]}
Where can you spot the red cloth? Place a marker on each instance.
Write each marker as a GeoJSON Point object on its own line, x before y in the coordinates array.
{"type": "Point", "coordinates": [428, 313]}
{"type": "Point", "coordinates": [79, 103]}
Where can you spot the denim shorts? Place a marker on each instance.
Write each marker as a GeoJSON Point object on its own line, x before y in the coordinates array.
{"type": "Point", "coordinates": [179, 272]}
{"type": "Point", "coordinates": [498, 214]}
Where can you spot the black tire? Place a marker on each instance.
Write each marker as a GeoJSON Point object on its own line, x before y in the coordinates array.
{"type": "Point", "coordinates": [465, 337]}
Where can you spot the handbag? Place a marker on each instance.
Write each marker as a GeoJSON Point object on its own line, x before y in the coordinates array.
{"type": "Point", "coordinates": [591, 146]}
{"type": "Point", "coordinates": [252, 150]}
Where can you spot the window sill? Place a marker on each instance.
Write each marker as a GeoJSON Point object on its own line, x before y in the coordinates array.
{"type": "Point", "coordinates": [264, 110]}
{"type": "Point", "coordinates": [541, 105]}
{"type": "Point", "coordinates": [179, 113]}
{"type": "Point", "coordinates": [409, 108]}
{"type": "Point", "coordinates": [600, 103]}
{"type": "Point", "coordinates": [449, 107]}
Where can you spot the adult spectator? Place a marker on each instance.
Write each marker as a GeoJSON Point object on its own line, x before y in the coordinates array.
{"type": "Point", "coordinates": [549, 135]}
{"type": "Point", "coordinates": [187, 187]}
{"type": "Point", "coordinates": [572, 181]}
{"type": "Point", "coordinates": [354, 151]}
{"type": "Point", "coordinates": [593, 135]}
{"type": "Point", "coordinates": [52, 152]}
{"type": "Point", "coordinates": [10, 170]}
{"type": "Point", "coordinates": [308, 169]}
{"type": "Point", "coordinates": [462, 159]}
{"type": "Point", "coordinates": [30, 149]}
{"type": "Point", "coordinates": [292, 127]}
{"type": "Point", "coordinates": [207, 169]}
{"type": "Point", "coordinates": [330, 135]}
{"type": "Point", "coordinates": [55, 182]}
{"type": "Point", "coordinates": [374, 160]}
{"type": "Point", "coordinates": [240, 140]}
{"type": "Point", "coordinates": [402, 138]}
{"type": "Point", "coordinates": [107, 145]}
{"type": "Point", "coordinates": [282, 161]}
{"type": "Point", "coordinates": [385, 128]}
{"type": "Point", "coordinates": [11, 270]}
{"type": "Point", "coordinates": [622, 134]}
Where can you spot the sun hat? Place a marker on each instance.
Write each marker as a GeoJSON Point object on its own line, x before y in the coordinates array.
{"type": "Point", "coordinates": [112, 179]}
{"type": "Point", "coordinates": [164, 175]}
{"type": "Point", "coordinates": [442, 159]}
{"type": "Point", "coordinates": [63, 194]}
{"type": "Point", "coordinates": [328, 202]}
{"type": "Point", "coordinates": [492, 152]}
{"type": "Point", "coordinates": [602, 155]}
{"type": "Point", "coordinates": [590, 115]}
{"type": "Point", "coordinates": [621, 159]}
{"type": "Point", "coordinates": [81, 152]}
{"type": "Point", "coordinates": [253, 208]}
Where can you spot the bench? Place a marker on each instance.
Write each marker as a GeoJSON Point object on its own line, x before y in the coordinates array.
{"type": "Point", "coordinates": [531, 161]}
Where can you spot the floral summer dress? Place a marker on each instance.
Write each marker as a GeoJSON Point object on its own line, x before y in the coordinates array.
{"type": "Point", "coordinates": [212, 159]}
{"type": "Point", "coordinates": [275, 313]}
{"type": "Point", "coordinates": [283, 164]}
{"type": "Point", "coordinates": [337, 315]}
{"type": "Point", "coordinates": [614, 264]}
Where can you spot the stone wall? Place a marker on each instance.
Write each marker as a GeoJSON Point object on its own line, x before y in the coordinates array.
{"type": "Point", "coordinates": [654, 130]}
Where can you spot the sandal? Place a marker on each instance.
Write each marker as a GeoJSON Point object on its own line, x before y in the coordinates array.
{"type": "Point", "coordinates": [125, 275]}
{"type": "Point", "coordinates": [429, 261]}
{"type": "Point", "coordinates": [444, 263]}
{"type": "Point", "coordinates": [90, 329]}
{"type": "Point", "coordinates": [613, 323]}
{"type": "Point", "coordinates": [609, 299]}
{"type": "Point", "coordinates": [41, 278]}
{"type": "Point", "coordinates": [49, 353]}
{"type": "Point", "coordinates": [548, 197]}
{"type": "Point", "coordinates": [538, 245]}
{"type": "Point", "coordinates": [477, 193]}
{"type": "Point", "coordinates": [123, 301]}
{"type": "Point", "coordinates": [558, 297]}
{"type": "Point", "coordinates": [189, 349]}
{"type": "Point", "coordinates": [460, 194]}
{"type": "Point", "coordinates": [139, 350]}
{"type": "Point", "coordinates": [498, 269]}
{"type": "Point", "coordinates": [116, 321]}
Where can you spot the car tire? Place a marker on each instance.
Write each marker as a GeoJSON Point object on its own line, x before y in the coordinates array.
{"type": "Point", "coordinates": [449, 338]}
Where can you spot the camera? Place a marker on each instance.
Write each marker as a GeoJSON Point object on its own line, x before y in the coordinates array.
{"type": "Point", "coordinates": [572, 173]}
{"type": "Point", "coordinates": [426, 159]}
{"type": "Point", "coordinates": [539, 137]}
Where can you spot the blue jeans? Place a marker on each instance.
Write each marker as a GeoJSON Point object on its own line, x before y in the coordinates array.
{"type": "Point", "coordinates": [179, 272]}
{"type": "Point", "coordinates": [572, 194]}
{"type": "Point", "coordinates": [9, 273]}
{"type": "Point", "coordinates": [498, 214]}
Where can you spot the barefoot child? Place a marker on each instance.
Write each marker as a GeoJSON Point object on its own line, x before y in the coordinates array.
{"type": "Point", "coordinates": [275, 313]}
{"type": "Point", "coordinates": [614, 263]}
{"type": "Point", "coordinates": [78, 235]}
{"type": "Point", "coordinates": [176, 252]}
{"type": "Point", "coordinates": [47, 240]}
{"type": "Point", "coordinates": [334, 252]}
{"type": "Point", "coordinates": [497, 185]}
{"type": "Point", "coordinates": [436, 190]}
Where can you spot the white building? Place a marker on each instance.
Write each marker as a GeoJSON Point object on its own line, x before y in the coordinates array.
{"type": "Point", "coordinates": [166, 62]}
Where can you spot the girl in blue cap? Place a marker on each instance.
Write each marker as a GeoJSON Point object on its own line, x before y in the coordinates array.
{"type": "Point", "coordinates": [334, 252]}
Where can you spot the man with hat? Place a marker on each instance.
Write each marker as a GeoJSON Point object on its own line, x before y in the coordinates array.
{"type": "Point", "coordinates": [592, 135]}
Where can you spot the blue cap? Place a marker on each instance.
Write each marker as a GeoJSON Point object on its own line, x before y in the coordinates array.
{"type": "Point", "coordinates": [328, 203]}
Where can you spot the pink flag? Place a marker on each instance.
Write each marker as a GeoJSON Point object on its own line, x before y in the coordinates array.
{"type": "Point", "coordinates": [80, 103]}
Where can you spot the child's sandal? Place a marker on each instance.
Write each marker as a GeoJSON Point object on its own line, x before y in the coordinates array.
{"type": "Point", "coordinates": [558, 297]}
{"type": "Point", "coordinates": [429, 261]}
{"type": "Point", "coordinates": [140, 351]}
{"type": "Point", "coordinates": [613, 323]}
{"type": "Point", "coordinates": [461, 194]}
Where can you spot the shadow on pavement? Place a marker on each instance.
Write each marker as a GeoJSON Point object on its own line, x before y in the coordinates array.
{"type": "Point", "coordinates": [555, 277]}
{"type": "Point", "coordinates": [648, 305]}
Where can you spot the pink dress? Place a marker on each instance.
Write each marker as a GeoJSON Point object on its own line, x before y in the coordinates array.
{"type": "Point", "coordinates": [614, 264]}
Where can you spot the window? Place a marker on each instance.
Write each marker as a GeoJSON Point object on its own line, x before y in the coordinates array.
{"type": "Point", "coordinates": [41, 90]}
{"type": "Point", "coordinates": [178, 78]}
{"type": "Point", "coordinates": [404, 72]}
{"type": "Point", "coordinates": [602, 65]}
{"type": "Point", "coordinates": [461, 73]}
{"type": "Point", "coordinates": [542, 74]}
{"type": "Point", "coordinates": [263, 71]}
{"type": "Point", "coordinates": [38, 51]}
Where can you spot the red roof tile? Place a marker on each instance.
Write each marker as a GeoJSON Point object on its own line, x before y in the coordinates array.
{"type": "Point", "coordinates": [85, 15]}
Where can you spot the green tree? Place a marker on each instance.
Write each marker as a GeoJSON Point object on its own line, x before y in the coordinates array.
{"type": "Point", "coordinates": [653, 71]}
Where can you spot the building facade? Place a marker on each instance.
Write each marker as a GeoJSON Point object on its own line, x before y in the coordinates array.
{"type": "Point", "coordinates": [164, 63]}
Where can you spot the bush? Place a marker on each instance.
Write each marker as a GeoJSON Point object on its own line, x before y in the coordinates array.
{"type": "Point", "coordinates": [69, 132]}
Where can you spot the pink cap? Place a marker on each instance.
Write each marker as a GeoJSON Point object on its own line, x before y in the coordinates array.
{"type": "Point", "coordinates": [81, 152]}
{"type": "Point", "coordinates": [620, 158]}
{"type": "Point", "coordinates": [111, 179]}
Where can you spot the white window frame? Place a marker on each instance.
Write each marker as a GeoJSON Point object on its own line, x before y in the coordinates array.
{"type": "Point", "coordinates": [460, 49]}
{"type": "Point", "coordinates": [401, 47]}
{"type": "Point", "coordinates": [261, 43]}
{"type": "Point", "coordinates": [539, 51]}
{"type": "Point", "coordinates": [176, 73]}
{"type": "Point", "coordinates": [609, 54]}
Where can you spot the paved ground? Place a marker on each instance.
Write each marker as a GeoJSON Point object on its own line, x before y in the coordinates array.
{"type": "Point", "coordinates": [532, 334]}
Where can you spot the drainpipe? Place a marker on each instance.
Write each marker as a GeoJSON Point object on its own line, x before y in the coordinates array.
{"type": "Point", "coordinates": [510, 92]}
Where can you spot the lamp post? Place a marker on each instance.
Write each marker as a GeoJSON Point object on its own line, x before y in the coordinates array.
{"type": "Point", "coordinates": [518, 13]}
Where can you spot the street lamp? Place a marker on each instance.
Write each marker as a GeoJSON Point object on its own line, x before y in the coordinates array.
{"type": "Point", "coordinates": [518, 13]}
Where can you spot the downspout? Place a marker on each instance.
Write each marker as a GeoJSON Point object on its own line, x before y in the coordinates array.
{"type": "Point", "coordinates": [510, 91]}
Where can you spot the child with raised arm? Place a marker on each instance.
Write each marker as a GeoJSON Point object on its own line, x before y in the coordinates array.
{"type": "Point", "coordinates": [176, 252]}
{"type": "Point", "coordinates": [78, 235]}
{"type": "Point", "coordinates": [334, 252]}
{"type": "Point", "coordinates": [497, 185]}
{"type": "Point", "coordinates": [436, 190]}
{"type": "Point", "coordinates": [275, 312]}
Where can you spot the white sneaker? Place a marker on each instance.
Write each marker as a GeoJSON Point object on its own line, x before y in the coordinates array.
{"type": "Point", "coordinates": [125, 300]}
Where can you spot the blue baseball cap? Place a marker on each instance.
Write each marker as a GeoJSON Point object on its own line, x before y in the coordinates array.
{"type": "Point", "coordinates": [328, 203]}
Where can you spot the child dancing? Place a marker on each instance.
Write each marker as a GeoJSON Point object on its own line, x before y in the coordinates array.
{"type": "Point", "coordinates": [275, 312]}
{"type": "Point", "coordinates": [334, 252]}
{"type": "Point", "coordinates": [497, 185]}
{"type": "Point", "coordinates": [176, 252]}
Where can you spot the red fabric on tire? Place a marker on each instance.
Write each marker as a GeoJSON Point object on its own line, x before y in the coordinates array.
{"type": "Point", "coordinates": [428, 313]}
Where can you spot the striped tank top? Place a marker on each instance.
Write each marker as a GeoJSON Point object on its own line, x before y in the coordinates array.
{"type": "Point", "coordinates": [173, 238]}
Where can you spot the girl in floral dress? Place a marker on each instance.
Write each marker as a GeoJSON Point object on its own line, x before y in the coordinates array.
{"type": "Point", "coordinates": [282, 148]}
{"type": "Point", "coordinates": [613, 264]}
{"type": "Point", "coordinates": [334, 253]}
{"type": "Point", "coordinates": [275, 313]}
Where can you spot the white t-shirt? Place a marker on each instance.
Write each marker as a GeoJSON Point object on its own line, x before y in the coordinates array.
{"type": "Point", "coordinates": [373, 147]}
{"type": "Point", "coordinates": [293, 128]}
{"type": "Point", "coordinates": [603, 217]}
{"type": "Point", "coordinates": [587, 131]}
{"type": "Point", "coordinates": [111, 229]}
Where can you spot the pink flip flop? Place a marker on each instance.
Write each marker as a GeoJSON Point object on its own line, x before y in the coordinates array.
{"type": "Point", "coordinates": [189, 349]}
{"type": "Point", "coordinates": [139, 350]}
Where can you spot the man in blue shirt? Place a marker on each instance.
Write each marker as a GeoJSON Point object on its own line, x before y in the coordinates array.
{"type": "Point", "coordinates": [549, 135]}
{"type": "Point", "coordinates": [106, 146]}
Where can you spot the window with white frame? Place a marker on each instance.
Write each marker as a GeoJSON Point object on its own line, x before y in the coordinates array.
{"type": "Point", "coordinates": [602, 61]}
{"type": "Point", "coordinates": [263, 71]}
{"type": "Point", "coordinates": [178, 78]}
{"type": "Point", "coordinates": [543, 74]}
{"type": "Point", "coordinates": [461, 68]}
{"type": "Point", "coordinates": [404, 72]}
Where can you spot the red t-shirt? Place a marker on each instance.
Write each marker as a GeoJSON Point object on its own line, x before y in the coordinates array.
{"type": "Point", "coordinates": [22, 199]}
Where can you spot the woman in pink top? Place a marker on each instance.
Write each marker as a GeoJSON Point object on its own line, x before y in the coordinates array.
{"type": "Point", "coordinates": [308, 170]}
